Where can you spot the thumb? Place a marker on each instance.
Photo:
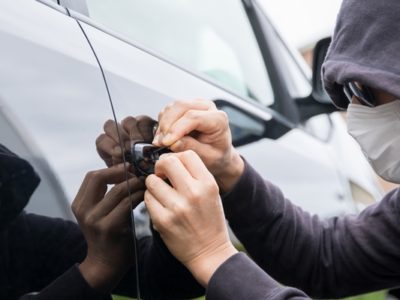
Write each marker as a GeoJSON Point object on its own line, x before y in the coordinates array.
{"type": "Point", "coordinates": [190, 143]}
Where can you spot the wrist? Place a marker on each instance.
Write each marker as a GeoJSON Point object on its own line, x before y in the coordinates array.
{"type": "Point", "coordinates": [203, 267]}
{"type": "Point", "coordinates": [101, 277]}
{"type": "Point", "coordinates": [231, 173]}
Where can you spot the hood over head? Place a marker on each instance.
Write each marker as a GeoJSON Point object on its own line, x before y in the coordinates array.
{"type": "Point", "coordinates": [365, 48]}
{"type": "Point", "coordinates": [18, 181]}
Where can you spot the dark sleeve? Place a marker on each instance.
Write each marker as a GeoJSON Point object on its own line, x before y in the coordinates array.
{"type": "Point", "coordinates": [58, 244]}
{"type": "Point", "coordinates": [240, 278]}
{"type": "Point", "coordinates": [162, 275]}
{"type": "Point", "coordinates": [339, 257]}
{"type": "Point", "coordinates": [70, 285]}
{"type": "Point", "coordinates": [49, 249]}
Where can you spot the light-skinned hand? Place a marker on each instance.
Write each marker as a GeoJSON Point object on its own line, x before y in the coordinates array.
{"type": "Point", "coordinates": [199, 126]}
{"type": "Point", "coordinates": [188, 213]}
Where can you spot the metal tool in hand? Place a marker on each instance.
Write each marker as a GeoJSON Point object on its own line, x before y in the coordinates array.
{"type": "Point", "coordinates": [143, 157]}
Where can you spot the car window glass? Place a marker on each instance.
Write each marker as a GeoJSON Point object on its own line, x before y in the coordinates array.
{"type": "Point", "coordinates": [213, 37]}
{"type": "Point", "coordinates": [297, 82]}
{"type": "Point", "coordinates": [297, 74]}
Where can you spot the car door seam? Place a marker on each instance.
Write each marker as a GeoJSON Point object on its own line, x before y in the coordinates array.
{"type": "Point", "coordinates": [136, 249]}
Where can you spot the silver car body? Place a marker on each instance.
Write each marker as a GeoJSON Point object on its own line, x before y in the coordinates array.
{"type": "Point", "coordinates": [53, 103]}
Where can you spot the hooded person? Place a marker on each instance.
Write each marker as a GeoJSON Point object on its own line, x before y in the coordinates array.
{"type": "Point", "coordinates": [363, 61]}
{"type": "Point", "coordinates": [18, 181]}
{"type": "Point", "coordinates": [338, 257]}
{"type": "Point", "coordinates": [35, 250]}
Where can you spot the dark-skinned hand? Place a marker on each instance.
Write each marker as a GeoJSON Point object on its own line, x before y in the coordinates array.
{"type": "Point", "coordinates": [104, 218]}
{"type": "Point", "coordinates": [131, 129]}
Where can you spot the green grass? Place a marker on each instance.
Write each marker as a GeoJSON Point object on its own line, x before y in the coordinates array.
{"type": "Point", "coordinates": [381, 295]}
{"type": "Point", "coordinates": [127, 298]}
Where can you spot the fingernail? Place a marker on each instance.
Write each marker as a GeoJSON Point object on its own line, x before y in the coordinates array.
{"type": "Point", "coordinates": [157, 139]}
{"type": "Point", "coordinates": [168, 139]}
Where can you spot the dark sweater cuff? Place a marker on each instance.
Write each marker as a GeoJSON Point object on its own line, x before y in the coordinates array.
{"type": "Point", "coordinates": [240, 278]}
{"type": "Point", "coordinates": [70, 285]}
{"type": "Point", "coordinates": [253, 196]}
{"type": "Point", "coordinates": [242, 183]}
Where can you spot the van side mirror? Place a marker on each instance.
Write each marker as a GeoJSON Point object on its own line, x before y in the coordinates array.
{"type": "Point", "coordinates": [321, 48]}
{"type": "Point", "coordinates": [318, 102]}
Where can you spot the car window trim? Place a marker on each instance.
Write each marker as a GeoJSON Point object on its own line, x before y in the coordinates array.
{"type": "Point", "coordinates": [79, 6]}
{"type": "Point", "coordinates": [54, 5]}
{"type": "Point", "coordinates": [283, 103]}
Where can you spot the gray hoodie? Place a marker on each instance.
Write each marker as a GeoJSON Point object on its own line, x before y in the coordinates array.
{"type": "Point", "coordinates": [365, 48]}
{"type": "Point", "coordinates": [343, 256]}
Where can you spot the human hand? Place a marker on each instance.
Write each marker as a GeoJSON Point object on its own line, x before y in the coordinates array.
{"type": "Point", "coordinates": [188, 214]}
{"type": "Point", "coordinates": [131, 129]}
{"type": "Point", "coordinates": [104, 218]}
{"type": "Point", "coordinates": [199, 126]}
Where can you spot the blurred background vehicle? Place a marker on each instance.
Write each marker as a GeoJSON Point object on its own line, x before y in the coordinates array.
{"type": "Point", "coordinates": [302, 25]}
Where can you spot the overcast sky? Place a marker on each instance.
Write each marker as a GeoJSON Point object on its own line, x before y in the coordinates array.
{"type": "Point", "coordinates": [303, 22]}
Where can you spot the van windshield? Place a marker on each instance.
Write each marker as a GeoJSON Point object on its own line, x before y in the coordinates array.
{"type": "Point", "coordinates": [211, 37]}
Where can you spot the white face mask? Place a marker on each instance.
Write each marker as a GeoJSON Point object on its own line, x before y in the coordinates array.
{"type": "Point", "coordinates": [377, 130]}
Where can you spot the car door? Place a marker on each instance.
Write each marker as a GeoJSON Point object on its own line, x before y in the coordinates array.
{"type": "Point", "coordinates": [53, 101]}
{"type": "Point", "coordinates": [147, 66]}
